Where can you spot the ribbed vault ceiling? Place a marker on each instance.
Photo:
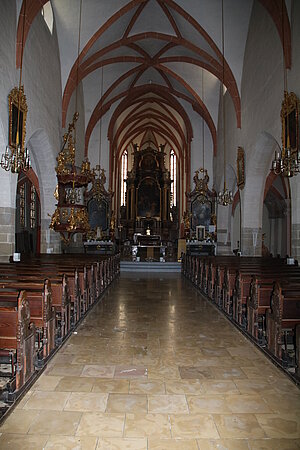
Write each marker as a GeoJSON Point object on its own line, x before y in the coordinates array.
{"type": "Point", "coordinates": [152, 55]}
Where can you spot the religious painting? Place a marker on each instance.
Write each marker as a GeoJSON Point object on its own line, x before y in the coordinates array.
{"type": "Point", "coordinates": [201, 214]}
{"type": "Point", "coordinates": [17, 117]}
{"type": "Point", "coordinates": [98, 214]}
{"type": "Point", "coordinates": [148, 198]}
{"type": "Point", "coordinates": [240, 162]}
{"type": "Point", "coordinates": [290, 121]}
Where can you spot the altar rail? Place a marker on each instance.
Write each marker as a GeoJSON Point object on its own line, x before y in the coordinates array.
{"type": "Point", "coordinates": [260, 295]}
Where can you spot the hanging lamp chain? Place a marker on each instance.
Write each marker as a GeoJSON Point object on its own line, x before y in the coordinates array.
{"type": "Point", "coordinates": [225, 198]}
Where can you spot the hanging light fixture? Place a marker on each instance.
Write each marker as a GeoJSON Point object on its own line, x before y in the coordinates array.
{"type": "Point", "coordinates": [287, 161]}
{"type": "Point", "coordinates": [99, 181]}
{"type": "Point", "coordinates": [225, 197]}
{"type": "Point", "coordinates": [16, 158]}
{"type": "Point", "coordinates": [201, 184]}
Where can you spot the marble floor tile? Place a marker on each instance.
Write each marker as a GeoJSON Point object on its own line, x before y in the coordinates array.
{"type": "Point", "coordinates": [98, 371]}
{"type": "Point", "coordinates": [238, 426]}
{"type": "Point", "coordinates": [119, 403]}
{"type": "Point", "coordinates": [170, 404]}
{"type": "Point", "coordinates": [148, 425]}
{"type": "Point", "coordinates": [271, 444]}
{"type": "Point", "coordinates": [51, 401]}
{"type": "Point", "coordinates": [71, 443]}
{"type": "Point", "coordinates": [74, 370]}
{"type": "Point", "coordinates": [193, 426]}
{"type": "Point", "coordinates": [111, 386]}
{"type": "Point", "coordinates": [280, 426]}
{"type": "Point", "coordinates": [55, 422]}
{"type": "Point", "coordinates": [189, 386]}
{"type": "Point", "coordinates": [75, 384]}
{"type": "Point", "coordinates": [147, 387]}
{"type": "Point", "coordinates": [46, 383]}
{"type": "Point", "coordinates": [208, 404]}
{"type": "Point", "coordinates": [219, 387]}
{"type": "Point", "coordinates": [18, 422]}
{"type": "Point", "coordinates": [172, 444]}
{"type": "Point", "coordinates": [222, 444]}
{"type": "Point", "coordinates": [22, 442]}
{"type": "Point", "coordinates": [101, 424]}
{"type": "Point", "coordinates": [198, 372]}
{"type": "Point", "coordinates": [83, 401]}
{"type": "Point", "coordinates": [122, 444]}
{"type": "Point", "coordinates": [247, 403]}
{"type": "Point", "coordinates": [129, 372]}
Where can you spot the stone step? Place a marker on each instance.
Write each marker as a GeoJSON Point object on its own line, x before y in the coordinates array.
{"type": "Point", "coordinates": [129, 266]}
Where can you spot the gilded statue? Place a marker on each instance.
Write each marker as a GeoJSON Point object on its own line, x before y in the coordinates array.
{"type": "Point", "coordinates": [186, 220]}
{"type": "Point", "coordinates": [112, 221]}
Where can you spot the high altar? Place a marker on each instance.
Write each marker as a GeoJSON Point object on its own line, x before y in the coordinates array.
{"type": "Point", "coordinates": [148, 195]}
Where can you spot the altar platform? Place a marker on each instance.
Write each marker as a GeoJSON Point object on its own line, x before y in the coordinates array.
{"type": "Point", "coordinates": [132, 266]}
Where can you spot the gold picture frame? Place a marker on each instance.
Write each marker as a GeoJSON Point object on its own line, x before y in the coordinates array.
{"type": "Point", "coordinates": [240, 162]}
{"type": "Point", "coordinates": [17, 105]}
{"type": "Point", "coordinates": [290, 121]}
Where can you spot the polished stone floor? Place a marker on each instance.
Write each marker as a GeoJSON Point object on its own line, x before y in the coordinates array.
{"type": "Point", "coordinates": [156, 366]}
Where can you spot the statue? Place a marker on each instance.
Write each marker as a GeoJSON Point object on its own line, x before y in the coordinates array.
{"type": "Point", "coordinates": [186, 220]}
{"type": "Point", "coordinates": [112, 221]}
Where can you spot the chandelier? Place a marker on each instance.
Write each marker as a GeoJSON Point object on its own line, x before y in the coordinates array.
{"type": "Point", "coordinates": [225, 197]}
{"type": "Point", "coordinates": [15, 158]}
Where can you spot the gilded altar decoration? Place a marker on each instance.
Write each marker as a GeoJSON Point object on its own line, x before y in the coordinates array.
{"type": "Point", "coordinates": [17, 105]}
{"type": "Point", "coordinates": [240, 163]}
{"type": "Point", "coordinates": [16, 156]}
{"type": "Point", "coordinates": [201, 184]}
{"type": "Point", "coordinates": [287, 160]}
{"type": "Point", "coordinates": [186, 219]}
{"type": "Point", "coordinates": [290, 121]}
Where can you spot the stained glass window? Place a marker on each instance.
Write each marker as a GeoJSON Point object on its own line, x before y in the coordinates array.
{"type": "Point", "coordinates": [22, 205]}
{"type": "Point", "coordinates": [173, 177]}
{"type": "Point", "coordinates": [124, 168]}
{"type": "Point", "coordinates": [32, 207]}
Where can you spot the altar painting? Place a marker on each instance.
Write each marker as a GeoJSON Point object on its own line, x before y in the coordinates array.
{"type": "Point", "coordinates": [148, 201]}
{"type": "Point", "coordinates": [98, 214]}
{"type": "Point", "coordinates": [201, 214]}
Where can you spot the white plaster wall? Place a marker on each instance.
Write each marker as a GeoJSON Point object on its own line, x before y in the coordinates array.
{"type": "Point", "coordinates": [260, 135]}
{"type": "Point", "coordinates": [42, 85]}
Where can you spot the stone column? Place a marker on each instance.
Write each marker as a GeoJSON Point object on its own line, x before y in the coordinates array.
{"type": "Point", "coordinates": [7, 233]}
{"type": "Point", "coordinates": [50, 240]}
{"type": "Point", "coordinates": [296, 241]}
{"type": "Point", "coordinates": [252, 241]}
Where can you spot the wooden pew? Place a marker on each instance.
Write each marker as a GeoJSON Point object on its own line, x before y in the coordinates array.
{"type": "Point", "coordinates": [17, 335]}
{"type": "Point", "coordinates": [282, 318]}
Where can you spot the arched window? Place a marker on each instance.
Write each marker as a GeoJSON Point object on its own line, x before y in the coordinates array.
{"type": "Point", "coordinates": [173, 177]}
{"type": "Point", "coordinates": [124, 168]}
{"type": "Point", "coordinates": [47, 13]}
{"type": "Point", "coordinates": [27, 216]}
